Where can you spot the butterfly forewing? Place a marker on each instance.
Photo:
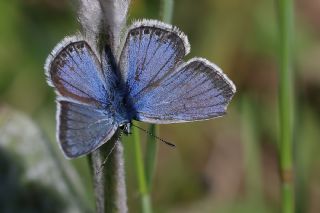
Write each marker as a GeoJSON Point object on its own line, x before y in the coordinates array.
{"type": "Point", "coordinates": [76, 73]}
{"type": "Point", "coordinates": [149, 54]}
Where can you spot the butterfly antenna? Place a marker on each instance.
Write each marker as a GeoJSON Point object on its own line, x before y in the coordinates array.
{"type": "Point", "coordinates": [107, 157]}
{"type": "Point", "coordinates": [160, 139]}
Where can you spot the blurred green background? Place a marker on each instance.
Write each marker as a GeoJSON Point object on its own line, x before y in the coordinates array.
{"type": "Point", "coordinates": [229, 164]}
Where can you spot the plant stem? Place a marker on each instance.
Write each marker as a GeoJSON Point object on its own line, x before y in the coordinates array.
{"type": "Point", "coordinates": [152, 146]}
{"type": "Point", "coordinates": [102, 21]}
{"type": "Point", "coordinates": [109, 181]}
{"type": "Point", "coordinates": [286, 103]}
{"type": "Point", "coordinates": [143, 189]}
{"type": "Point", "coordinates": [151, 155]}
{"type": "Point", "coordinates": [167, 10]}
{"type": "Point", "coordinates": [145, 172]}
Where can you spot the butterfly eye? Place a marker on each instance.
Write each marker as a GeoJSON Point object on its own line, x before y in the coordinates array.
{"type": "Point", "coordinates": [70, 49]}
{"type": "Point", "coordinates": [146, 31]}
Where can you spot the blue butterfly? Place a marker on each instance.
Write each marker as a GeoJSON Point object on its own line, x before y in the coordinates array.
{"type": "Point", "coordinates": [97, 94]}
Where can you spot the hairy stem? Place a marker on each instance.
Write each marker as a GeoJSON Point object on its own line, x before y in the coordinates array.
{"type": "Point", "coordinates": [109, 181]}
{"type": "Point", "coordinates": [102, 22]}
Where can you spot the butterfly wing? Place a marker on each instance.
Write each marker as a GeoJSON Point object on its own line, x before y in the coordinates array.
{"type": "Point", "coordinates": [85, 117]}
{"type": "Point", "coordinates": [83, 128]}
{"type": "Point", "coordinates": [149, 53]}
{"type": "Point", "coordinates": [164, 89]}
{"type": "Point", "coordinates": [76, 73]}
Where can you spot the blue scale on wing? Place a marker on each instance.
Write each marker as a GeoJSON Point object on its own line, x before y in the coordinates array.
{"type": "Point", "coordinates": [76, 73]}
{"type": "Point", "coordinates": [194, 92]}
{"type": "Point", "coordinates": [152, 51]}
{"type": "Point", "coordinates": [83, 128]}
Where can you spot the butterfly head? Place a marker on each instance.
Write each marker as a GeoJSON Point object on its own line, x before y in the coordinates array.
{"type": "Point", "coordinates": [126, 128]}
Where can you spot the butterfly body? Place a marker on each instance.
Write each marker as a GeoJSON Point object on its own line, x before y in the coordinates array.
{"type": "Point", "coordinates": [96, 94]}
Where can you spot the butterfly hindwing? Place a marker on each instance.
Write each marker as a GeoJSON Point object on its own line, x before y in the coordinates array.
{"type": "Point", "coordinates": [195, 91]}
{"type": "Point", "coordinates": [83, 128]}
{"type": "Point", "coordinates": [163, 88]}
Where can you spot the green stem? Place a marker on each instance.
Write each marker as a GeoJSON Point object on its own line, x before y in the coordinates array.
{"type": "Point", "coordinates": [151, 155]}
{"type": "Point", "coordinates": [143, 189]}
{"type": "Point", "coordinates": [286, 109]}
{"type": "Point", "coordinates": [145, 175]}
{"type": "Point", "coordinates": [152, 146]}
{"type": "Point", "coordinates": [167, 10]}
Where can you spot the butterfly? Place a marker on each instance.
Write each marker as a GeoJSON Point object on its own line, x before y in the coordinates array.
{"type": "Point", "coordinates": [150, 82]}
